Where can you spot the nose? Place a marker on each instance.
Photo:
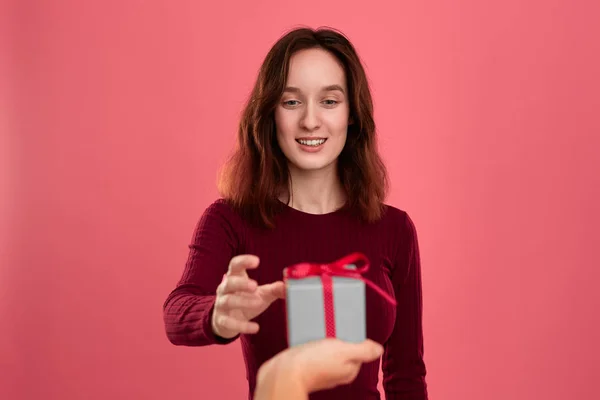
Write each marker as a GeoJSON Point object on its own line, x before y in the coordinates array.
{"type": "Point", "coordinates": [310, 119]}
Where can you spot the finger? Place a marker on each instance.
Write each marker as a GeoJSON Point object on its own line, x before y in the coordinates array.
{"type": "Point", "coordinates": [236, 283]}
{"type": "Point", "coordinates": [272, 291]}
{"type": "Point", "coordinates": [350, 372]}
{"type": "Point", "coordinates": [229, 323]}
{"type": "Point", "coordinates": [365, 351]}
{"type": "Point", "coordinates": [237, 301]}
{"type": "Point", "coordinates": [338, 374]}
{"type": "Point", "coordinates": [239, 264]}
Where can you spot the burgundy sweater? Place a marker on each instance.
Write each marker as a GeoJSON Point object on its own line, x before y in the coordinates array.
{"type": "Point", "coordinates": [392, 248]}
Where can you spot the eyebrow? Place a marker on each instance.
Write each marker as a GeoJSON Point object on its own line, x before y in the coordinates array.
{"type": "Point", "coordinates": [329, 88]}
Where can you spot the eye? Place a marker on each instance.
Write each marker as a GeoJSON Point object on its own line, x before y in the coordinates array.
{"type": "Point", "coordinates": [291, 103]}
{"type": "Point", "coordinates": [330, 102]}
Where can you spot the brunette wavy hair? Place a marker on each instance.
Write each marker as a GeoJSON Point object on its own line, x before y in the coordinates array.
{"type": "Point", "coordinates": [257, 172]}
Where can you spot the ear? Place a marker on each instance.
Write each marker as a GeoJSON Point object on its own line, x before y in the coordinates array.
{"type": "Point", "coordinates": [350, 120]}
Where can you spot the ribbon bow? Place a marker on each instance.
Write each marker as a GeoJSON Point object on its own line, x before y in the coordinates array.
{"type": "Point", "coordinates": [336, 268]}
{"type": "Point", "coordinates": [326, 272]}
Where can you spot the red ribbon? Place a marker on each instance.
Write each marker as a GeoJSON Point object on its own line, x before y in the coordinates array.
{"type": "Point", "coordinates": [326, 272]}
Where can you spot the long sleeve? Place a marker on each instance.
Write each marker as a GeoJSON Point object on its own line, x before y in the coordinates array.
{"type": "Point", "coordinates": [188, 309]}
{"type": "Point", "coordinates": [402, 363]}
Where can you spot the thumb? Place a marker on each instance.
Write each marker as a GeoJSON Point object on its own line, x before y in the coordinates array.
{"type": "Point", "coordinates": [365, 351]}
{"type": "Point", "coordinates": [273, 291]}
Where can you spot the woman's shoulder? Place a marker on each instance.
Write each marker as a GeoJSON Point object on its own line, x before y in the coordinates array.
{"type": "Point", "coordinates": [220, 204]}
{"type": "Point", "coordinates": [221, 208]}
{"type": "Point", "coordinates": [393, 214]}
{"type": "Point", "coordinates": [398, 220]}
{"type": "Point", "coordinates": [220, 219]}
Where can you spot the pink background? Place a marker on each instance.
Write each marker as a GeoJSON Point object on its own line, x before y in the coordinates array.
{"type": "Point", "coordinates": [117, 114]}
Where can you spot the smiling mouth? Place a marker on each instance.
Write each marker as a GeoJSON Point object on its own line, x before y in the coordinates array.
{"type": "Point", "coordinates": [311, 142]}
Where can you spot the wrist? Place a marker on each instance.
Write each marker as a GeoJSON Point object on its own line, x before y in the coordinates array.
{"type": "Point", "coordinates": [279, 379]}
{"type": "Point", "coordinates": [289, 384]}
{"type": "Point", "coordinates": [216, 331]}
{"type": "Point", "coordinates": [294, 375]}
{"type": "Point", "coordinates": [222, 335]}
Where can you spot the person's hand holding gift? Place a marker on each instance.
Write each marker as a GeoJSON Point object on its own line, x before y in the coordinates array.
{"type": "Point", "coordinates": [310, 367]}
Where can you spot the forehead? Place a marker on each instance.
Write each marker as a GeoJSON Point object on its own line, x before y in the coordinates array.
{"type": "Point", "coordinates": [315, 68]}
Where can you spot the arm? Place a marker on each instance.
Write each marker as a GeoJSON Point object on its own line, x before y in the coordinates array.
{"type": "Point", "coordinates": [278, 384]}
{"type": "Point", "coordinates": [188, 309]}
{"type": "Point", "coordinates": [402, 363]}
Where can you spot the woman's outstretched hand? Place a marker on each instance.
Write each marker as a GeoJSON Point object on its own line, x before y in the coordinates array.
{"type": "Point", "coordinates": [240, 299]}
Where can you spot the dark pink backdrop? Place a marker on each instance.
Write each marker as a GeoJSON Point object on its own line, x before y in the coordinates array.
{"type": "Point", "coordinates": [115, 116]}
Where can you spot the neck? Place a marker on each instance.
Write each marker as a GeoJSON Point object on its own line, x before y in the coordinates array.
{"type": "Point", "coordinates": [315, 192]}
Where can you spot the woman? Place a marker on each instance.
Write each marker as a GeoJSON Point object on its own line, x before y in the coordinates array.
{"type": "Point", "coordinates": [305, 184]}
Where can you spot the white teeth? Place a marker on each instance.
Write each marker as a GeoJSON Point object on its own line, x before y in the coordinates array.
{"type": "Point", "coordinates": [317, 142]}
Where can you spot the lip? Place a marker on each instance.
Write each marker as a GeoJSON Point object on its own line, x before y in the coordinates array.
{"type": "Point", "coordinates": [311, 149]}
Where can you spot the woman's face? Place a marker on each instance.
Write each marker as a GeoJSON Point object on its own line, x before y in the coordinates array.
{"type": "Point", "coordinates": [313, 115]}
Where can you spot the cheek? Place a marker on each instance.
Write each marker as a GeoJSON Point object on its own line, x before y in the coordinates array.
{"type": "Point", "coordinates": [283, 124]}
{"type": "Point", "coordinates": [338, 122]}
{"type": "Point", "coordinates": [338, 129]}
{"type": "Point", "coordinates": [283, 132]}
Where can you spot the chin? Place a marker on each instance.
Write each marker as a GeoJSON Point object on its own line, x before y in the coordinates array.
{"type": "Point", "coordinates": [312, 165]}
